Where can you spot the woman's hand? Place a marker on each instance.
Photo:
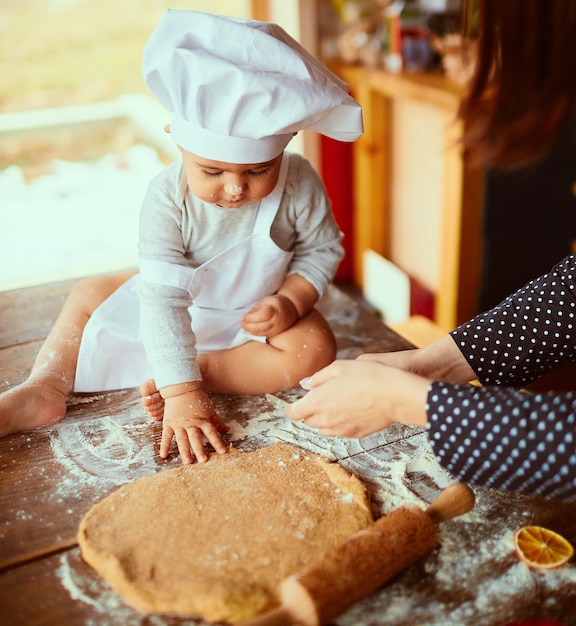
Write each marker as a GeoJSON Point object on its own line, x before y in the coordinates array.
{"type": "Point", "coordinates": [358, 398]}
{"type": "Point", "coordinates": [441, 360]}
{"type": "Point", "coordinates": [188, 417]}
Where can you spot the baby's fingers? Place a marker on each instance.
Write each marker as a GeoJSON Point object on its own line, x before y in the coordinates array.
{"type": "Point", "coordinates": [186, 438]}
{"type": "Point", "coordinates": [167, 434]}
{"type": "Point", "coordinates": [259, 313]}
{"type": "Point", "coordinates": [260, 329]}
{"type": "Point", "coordinates": [192, 439]}
{"type": "Point", "coordinates": [212, 432]}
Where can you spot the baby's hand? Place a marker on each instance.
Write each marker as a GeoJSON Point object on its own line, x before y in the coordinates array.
{"type": "Point", "coordinates": [270, 316]}
{"type": "Point", "coordinates": [187, 417]}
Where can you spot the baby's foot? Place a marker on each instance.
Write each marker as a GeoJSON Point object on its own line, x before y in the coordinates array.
{"type": "Point", "coordinates": [152, 401]}
{"type": "Point", "coordinates": [32, 404]}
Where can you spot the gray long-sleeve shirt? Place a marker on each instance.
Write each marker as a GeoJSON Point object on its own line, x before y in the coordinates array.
{"type": "Point", "coordinates": [177, 227]}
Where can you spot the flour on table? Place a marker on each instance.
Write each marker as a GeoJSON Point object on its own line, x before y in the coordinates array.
{"type": "Point", "coordinates": [475, 560]}
{"type": "Point", "coordinates": [106, 452]}
{"type": "Point", "coordinates": [110, 608]}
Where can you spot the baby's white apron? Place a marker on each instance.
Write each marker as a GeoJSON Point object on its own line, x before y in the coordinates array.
{"type": "Point", "coordinates": [222, 290]}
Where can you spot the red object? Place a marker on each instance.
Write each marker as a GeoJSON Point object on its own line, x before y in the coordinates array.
{"type": "Point", "coordinates": [337, 174]}
{"type": "Point", "coordinates": [394, 34]}
{"type": "Point", "coordinates": [421, 300]}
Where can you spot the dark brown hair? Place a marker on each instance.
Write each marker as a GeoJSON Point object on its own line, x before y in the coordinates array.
{"type": "Point", "coordinates": [523, 91]}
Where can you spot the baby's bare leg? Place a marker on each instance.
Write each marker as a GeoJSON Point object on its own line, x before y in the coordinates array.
{"type": "Point", "coordinates": [255, 367]}
{"type": "Point", "coordinates": [41, 399]}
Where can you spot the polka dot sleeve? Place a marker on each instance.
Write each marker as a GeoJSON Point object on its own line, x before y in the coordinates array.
{"type": "Point", "coordinates": [527, 334]}
{"type": "Point", "coordinates": [504, 438]}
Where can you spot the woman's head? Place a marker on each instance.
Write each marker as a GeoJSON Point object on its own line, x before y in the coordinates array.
{"type": "Point", "coordinates": [524, 88]}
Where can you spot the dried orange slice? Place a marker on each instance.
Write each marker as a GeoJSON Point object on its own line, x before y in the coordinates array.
{"type": "Point", "coordinates": [541, 548]}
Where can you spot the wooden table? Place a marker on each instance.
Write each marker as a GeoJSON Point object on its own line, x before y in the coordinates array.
{"type": "Point", "coordinates": [50, 478]}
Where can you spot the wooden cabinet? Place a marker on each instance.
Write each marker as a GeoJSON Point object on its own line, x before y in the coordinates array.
{"type": "Point", "coordinates": [417, 201]}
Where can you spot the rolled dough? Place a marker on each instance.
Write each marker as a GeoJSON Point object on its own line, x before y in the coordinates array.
{"type": "Point", "coordinates": [215, 540]}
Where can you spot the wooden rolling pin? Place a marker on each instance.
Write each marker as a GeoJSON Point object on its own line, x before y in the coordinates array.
{"type": "Point", "coordinates": [325, 589]}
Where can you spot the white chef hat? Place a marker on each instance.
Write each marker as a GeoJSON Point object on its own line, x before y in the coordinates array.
{"type": "Point", "coordinates": [238, 90]}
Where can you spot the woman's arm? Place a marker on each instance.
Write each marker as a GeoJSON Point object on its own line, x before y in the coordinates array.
{"type": "Point", "coordinates": [504, 438]}
{"type": "Point", "coordinates": [529, 333]}
{"type": "Point", "coordinates": [491, 436]}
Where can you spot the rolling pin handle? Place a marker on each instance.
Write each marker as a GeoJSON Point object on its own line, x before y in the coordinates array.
{"type": "Point", "coordinates": [297, 609]}
{"type": "Point", "coordinates": [455, 500]}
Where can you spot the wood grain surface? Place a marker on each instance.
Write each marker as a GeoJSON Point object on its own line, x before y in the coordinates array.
{"type": "Point", "coordinates": [50, 478]}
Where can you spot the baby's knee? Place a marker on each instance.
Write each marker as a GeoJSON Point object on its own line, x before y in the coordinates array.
{"type": "Point", "coordinates": [318, 342]}
{"type": "Point", "coordinates": [322, 351]}
{"type": "Point", "coordinates": [87, 286]}
{"type": "Point", "coordinates": [88, 293]}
